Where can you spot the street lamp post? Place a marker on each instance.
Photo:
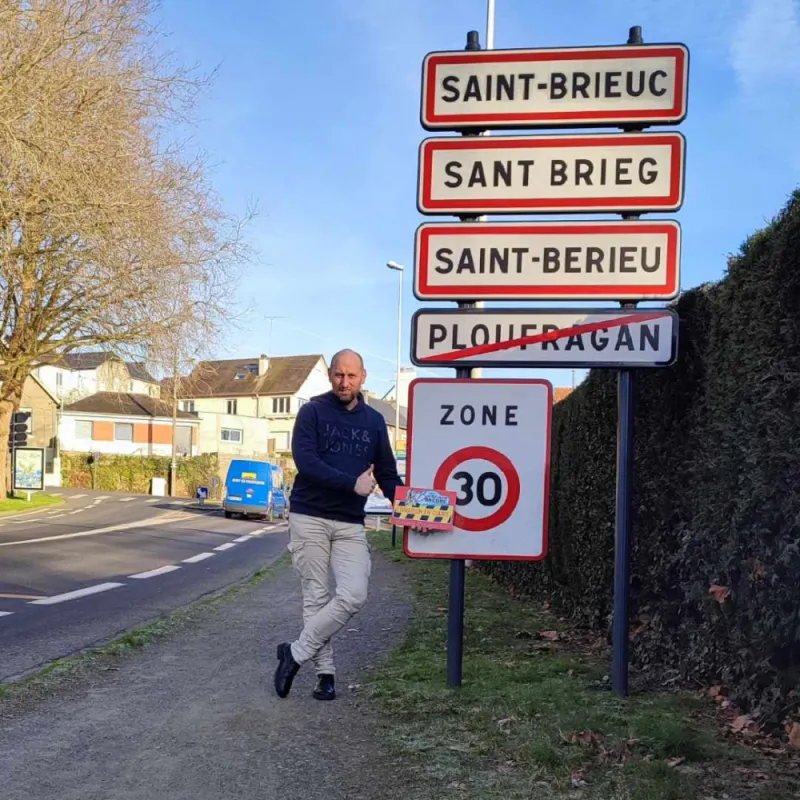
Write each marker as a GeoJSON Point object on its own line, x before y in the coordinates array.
{"type": "Point", "coordinates": [399, 269]}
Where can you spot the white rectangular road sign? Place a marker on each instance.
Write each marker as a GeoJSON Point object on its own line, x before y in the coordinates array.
{"type": "Point", "coordinates": [555, 87]}
{"type": "Point", "coordinates": [488, 441]}
{"type": "Point", "coordinates": [559, 173]}
{"type": "Point", "coordinates": [615, 260]}
{"type": "Point", "coordinates": [547, 337]}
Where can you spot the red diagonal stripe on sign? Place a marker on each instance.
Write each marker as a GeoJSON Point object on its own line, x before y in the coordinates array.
{"type": "Point", "coordinates": [550, 336]}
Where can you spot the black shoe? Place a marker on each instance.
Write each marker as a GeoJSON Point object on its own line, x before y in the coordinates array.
{"type": "Point", "coordinates": [324, 689]}
{"type": "Point", "coordinates": [286, 670]}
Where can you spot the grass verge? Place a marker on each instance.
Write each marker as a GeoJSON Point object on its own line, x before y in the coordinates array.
{"type": "Point", "coordinates": [535, 717]}
{"type": "Point", "coordinates": [13, 505]}
{"type": "Point", "coordinates": [107, 656]}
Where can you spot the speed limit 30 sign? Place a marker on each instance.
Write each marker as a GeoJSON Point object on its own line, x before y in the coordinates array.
{"type": "Point", "coordinates": [488, 441]}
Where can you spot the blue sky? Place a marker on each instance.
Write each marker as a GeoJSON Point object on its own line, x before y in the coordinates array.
{"type": "Point", "coordinates": [315, 113]}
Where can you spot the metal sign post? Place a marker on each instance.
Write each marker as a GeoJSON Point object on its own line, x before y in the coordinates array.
{"type": "Point", "coordinates": [622, 523]}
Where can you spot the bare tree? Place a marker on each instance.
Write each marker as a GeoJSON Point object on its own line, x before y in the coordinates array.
{"type": "Point", "coordinates": [108, 231]}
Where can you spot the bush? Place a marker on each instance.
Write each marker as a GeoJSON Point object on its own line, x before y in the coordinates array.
{"type": "Point", "coordinates": [716, 498]}
{"type": "Point", "coordinates": [134, 473]}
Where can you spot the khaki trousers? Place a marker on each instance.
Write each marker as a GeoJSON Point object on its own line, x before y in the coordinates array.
{"type": "Point", "coordinates": [316, 545]}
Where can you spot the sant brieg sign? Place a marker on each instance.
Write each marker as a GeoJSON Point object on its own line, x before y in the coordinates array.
{"type": "Point", "coordinates": [547, 174]}
{"type": "Point", "coordinates": [578, 338]}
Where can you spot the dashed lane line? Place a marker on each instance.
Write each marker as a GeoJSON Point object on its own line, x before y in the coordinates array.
{"type": "Point", "coordinates": [143, 523]}
{"type": "Point", "coordinates": [86, 591]}
{"type": "Point", "coordinates": [226, 546]}
{"type": "Point", "coordinates": [198, 557]}
{"type": "Point", "coordinates": [126, 499]}
{"type": "Point", "coordinates": [243, 538]}
{"type": "Point", "coordinates": [76, 496]}
{"type": "Point", "coordinates": [6, 613]}
{"type": "Point", "coordinates": [154, 572]}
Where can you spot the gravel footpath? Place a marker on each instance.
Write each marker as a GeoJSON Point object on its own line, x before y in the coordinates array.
{"type": "Point", "coordinates": [195, 717]}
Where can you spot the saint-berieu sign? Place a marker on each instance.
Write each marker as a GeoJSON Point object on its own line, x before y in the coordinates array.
{"type": "Point", "coordinates": [561, 173]}
{"type": "Point", "coordinates": [612, 260]}
{"type": "Point", "coordinates": [544, 338]}
{"type": "Point", "coordinates": [555, 87]}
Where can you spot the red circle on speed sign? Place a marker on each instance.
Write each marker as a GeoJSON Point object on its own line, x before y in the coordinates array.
{"type": "Point", "coordinates": [503, 463]}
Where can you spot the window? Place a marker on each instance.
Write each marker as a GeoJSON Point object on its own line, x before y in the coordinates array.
{"type": "Point", "coordinates": [123, 431]}
{"type": "Point", "coordinates": [232, 404]}
{"type": "Point", "coordinates": [231, 435]}
{"type": "Point", "coordinates": [59, 379]}
{"type": "Point", "coordinates": [188, 405]}
{"type": "Point", "coordinates": [301, 402]}
{"type": "Point", "coordinates": [83, 429]}
{"type": "Point", "coordinates": [280, 405]}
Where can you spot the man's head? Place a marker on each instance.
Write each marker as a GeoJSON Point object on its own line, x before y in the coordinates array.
{"type": "Point", "coordinates": [347, 375]}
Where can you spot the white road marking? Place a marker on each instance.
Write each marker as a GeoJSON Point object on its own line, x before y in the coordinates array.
{"type": "Point", "coordinates": [226, 546]}
{"type": "Point", "coordinates": [76, 511]}
{"type": "Point", "coordinates": [198, 557]}
{"type": "Point", "coordinates": [61, 598]}
{"type": "Point", "coordinates": [62, 514]}
{"type": "Point", "coordinates": [102, 497]}
{"type": "Point", "coordinates": [76, 496]}
{"type": "Point", "coordinates": [126, 499]}
{"type": "Point", "coordinates": [153, 572]}
{"type": "Point", "coordinates": [142, 523]}
{"type": "Point", "coordinates": [55, 494]}
{"type": "Point", "coordinates": [243, 538]}
{"type": "Point", "coordinates": [155, 500]}
{"type": "Point", "coordinates": [6, 613]}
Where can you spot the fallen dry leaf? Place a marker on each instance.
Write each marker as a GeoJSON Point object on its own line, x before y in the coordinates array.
{"type": "Point", "coordinates": [674, 762]}
{"type": "Point", "coordinates": [720, 592]}
{"type": "Point", "coordinates": [794, 736]}
{"type": "Point", "coordinates": [740, 723]}
{"type": "Point", "coordinates": [577, 779]}
{"type": "Point", "coordinates": [584, 737]}
{"type": "Point", "coordinates": [551, 636]}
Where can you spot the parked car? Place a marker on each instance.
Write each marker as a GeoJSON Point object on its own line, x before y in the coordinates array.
{"type": "Point", "coordinates": [255, 488]}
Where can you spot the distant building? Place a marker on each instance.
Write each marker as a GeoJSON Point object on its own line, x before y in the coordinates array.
{"type": "Point", "coordinates": [123, 423]}
{"type": "Point", "coordinates": [77, 375]}
{"type": "Point", "coordinates": [249, 405]}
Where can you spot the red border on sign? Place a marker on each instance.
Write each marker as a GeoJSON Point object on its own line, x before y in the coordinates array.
{"type": "Point", "coordinates": [435, 61]}
{"type": "Point", "coordinates": [425, 290]}
{"type": "Point", "coordinates": [503, 463]}
{"type": "Point", "coordinates": [546, 499]}
{"type": "Point", "coordinates": [666, 202]}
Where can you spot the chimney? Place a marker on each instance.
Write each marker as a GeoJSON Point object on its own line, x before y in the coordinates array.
{"type": "Point", "coordinates": [263, 365]}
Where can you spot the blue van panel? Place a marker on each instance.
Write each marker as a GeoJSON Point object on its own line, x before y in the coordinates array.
{"type": "Point", "coordinates": [254, 487]}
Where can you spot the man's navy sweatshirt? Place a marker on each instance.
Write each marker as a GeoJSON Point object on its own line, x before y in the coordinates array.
{"type": "Point", "coordinates": [332, 446]}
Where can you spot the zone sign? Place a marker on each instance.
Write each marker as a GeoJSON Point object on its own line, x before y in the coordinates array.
{"type": "Point", "coordinates": [489, 442]}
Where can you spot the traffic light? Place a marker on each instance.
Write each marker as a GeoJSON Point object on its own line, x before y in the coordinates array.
{"type": "Point", "coordinates": [18, 436]}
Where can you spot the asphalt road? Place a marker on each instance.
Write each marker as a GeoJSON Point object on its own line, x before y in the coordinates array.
{"type": "Point", "coordinates": [76, 575]}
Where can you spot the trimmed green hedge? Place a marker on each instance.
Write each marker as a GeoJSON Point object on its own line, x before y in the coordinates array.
{"type": "Point", "coordinates": [134, 473]}
{"type": "Point", "coordinates": [716, 498]}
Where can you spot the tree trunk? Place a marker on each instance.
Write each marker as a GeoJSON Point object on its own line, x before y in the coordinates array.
{"type": "Point", "coordinates": [10, 396]}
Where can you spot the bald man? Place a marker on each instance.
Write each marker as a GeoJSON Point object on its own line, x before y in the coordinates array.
{"type": "Point", "coordinates": [341, 449]}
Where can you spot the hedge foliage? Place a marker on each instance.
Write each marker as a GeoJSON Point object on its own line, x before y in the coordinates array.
{"type": "Point", "coordinates": [716, 502]}
{"type": "Point", "coordinates": [134, 473]}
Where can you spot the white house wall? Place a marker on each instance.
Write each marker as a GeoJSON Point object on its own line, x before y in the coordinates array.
{"type": "Point", "coordinates": [254, 430]}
